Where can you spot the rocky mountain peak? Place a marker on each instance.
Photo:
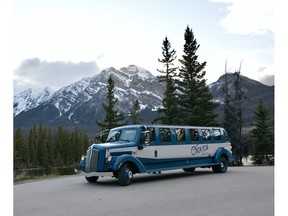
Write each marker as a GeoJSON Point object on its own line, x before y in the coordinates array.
{"type": "Point", "coordinates": [132, 70]}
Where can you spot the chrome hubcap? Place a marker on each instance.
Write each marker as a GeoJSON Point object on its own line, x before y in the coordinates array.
{"type": "Point", "coordinates": [130, 174]}
{"type": "Point", "coordinates": [222, 165]}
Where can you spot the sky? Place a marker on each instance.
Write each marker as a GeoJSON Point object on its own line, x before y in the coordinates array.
{"type": "Point", "coordinates": [58, 42]}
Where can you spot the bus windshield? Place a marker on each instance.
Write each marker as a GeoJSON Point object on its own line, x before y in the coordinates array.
{"type": "Point", "coordinates": [124, 134]}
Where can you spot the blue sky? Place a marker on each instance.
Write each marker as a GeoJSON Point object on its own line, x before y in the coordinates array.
{"type": "Point", "coordinates": [53, 36]}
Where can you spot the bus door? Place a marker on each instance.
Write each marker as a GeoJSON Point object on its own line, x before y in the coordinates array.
{"type": "Point", "coordinates": [147, 151]}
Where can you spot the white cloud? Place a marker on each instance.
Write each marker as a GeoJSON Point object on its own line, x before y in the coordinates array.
{"type": "Point", "coordinates": [248, 17]}
{"type": "Point", "coordinates": [35, 73]}
{"type": "Point", "coordinates": [266, 75]}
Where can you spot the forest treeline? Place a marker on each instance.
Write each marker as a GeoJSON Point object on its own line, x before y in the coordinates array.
{"type": "Point", "coordinates": [46, 147]}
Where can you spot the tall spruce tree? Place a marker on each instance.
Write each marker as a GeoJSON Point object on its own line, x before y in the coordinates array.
{"type": "Point", "coordinates": [113, 118]}
{"type": "Point", "coordinates": [263, 136]}
{"type": "Point", "coordinates": [168, 73]}
{"type": "Point", "coordinates": [134, 114]}
{"type": "Point", "coordinates": [195, 99]}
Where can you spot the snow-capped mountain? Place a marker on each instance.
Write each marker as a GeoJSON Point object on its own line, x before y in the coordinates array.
{"type": "Point", "coordinates": [27, 99]}
{"type": "Point", "coordinates": [80, 103]}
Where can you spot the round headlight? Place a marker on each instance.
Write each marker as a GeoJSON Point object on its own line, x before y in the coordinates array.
{"type": "Point", "coordinates": [109, 158]}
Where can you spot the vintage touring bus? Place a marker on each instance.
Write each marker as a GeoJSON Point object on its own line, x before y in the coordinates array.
{"type": "Point", "coordinates": [154, 148]}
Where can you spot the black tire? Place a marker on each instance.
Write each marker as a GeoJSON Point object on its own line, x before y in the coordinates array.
{"type": "Point", "coordinates": [222, 167]}
{"type": "Point", "coordinates": [189, 169]}
{"type": "Point", "coordinates": [92, 178]}
{"type": "Point", "coordinates": [125, 175]}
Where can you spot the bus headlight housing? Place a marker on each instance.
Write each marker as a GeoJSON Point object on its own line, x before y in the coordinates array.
{"type": "Point", "coordinates": [83, 157]}
{"type": "Point", "coordinates": [108, 159]}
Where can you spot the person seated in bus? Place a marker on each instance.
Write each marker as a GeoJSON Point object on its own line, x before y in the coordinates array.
{"type": "Point", "coordinates": [180, 133]}
{"type": "Point", "coordinates": [147, 137]}
{"type": "Point", "coordinates": [194, 134]}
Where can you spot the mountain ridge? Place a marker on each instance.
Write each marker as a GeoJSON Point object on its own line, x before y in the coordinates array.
{"type": "Point", "coordinates": [80, 103]}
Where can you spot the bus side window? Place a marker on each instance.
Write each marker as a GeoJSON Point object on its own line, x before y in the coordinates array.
{"type": "Point", "coordinates": [180, 135]}
{"type": "Point", "coordinates": [206, 135]}
{"type": "Point", "coordinates": [217, 134]}
{"type": "Point", "coordinates": [194, 134]}
{"type": "Point", "coordinates": [165, 135]}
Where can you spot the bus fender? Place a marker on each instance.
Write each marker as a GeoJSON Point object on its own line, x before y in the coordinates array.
{"type": "Point", "coordinates": [223, 152]}
{"type": "Point", "coordinates": [128, 158]}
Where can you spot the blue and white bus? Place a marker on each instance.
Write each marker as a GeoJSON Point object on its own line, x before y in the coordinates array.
{"type": "Point", "coordinates": [154, 148]}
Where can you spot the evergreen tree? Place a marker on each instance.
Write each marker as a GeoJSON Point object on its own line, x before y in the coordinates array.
{"type": "Point", "coordinates": [75, 144]}
{"type": "Point", "coordinates": [25, 153]}
{"type": "Point", "coordinates": [66, 149]}
{"type": "Point", "coordinates": [85, 143]}
{"type": "Point", "coordinates": [50, 148]}
{"type": "Point", "coordinates": [113, 117]}
{"type": "Point", "coordinates": [18, 148]}
{"type": "Point", "coordinates": [170, 99]}
{"type": "Point", "coordinates": [263, 135]}
{"type": "Point", "coordinates": [60, 139]}
{"type": "Point", "coordinates": [135, 112]}
{"type": "Point", "coordinates": [32, 147]}
{"type": "Point", "coordinates": [195, 99]}
{"type": "Point", "coordinates": [42, 146]}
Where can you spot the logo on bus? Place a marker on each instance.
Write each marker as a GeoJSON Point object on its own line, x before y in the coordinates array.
{"type": "Point", "coordinates": [196, 150]}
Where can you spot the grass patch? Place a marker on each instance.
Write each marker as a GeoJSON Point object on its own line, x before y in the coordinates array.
{"type": "Point", "coordinates": [41, 173]}
{"type": "Point", "coordinates": [22, 178]}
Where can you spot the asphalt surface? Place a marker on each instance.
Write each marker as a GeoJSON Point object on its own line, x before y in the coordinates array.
{"type": "Point", "coordinates": [240, 191]}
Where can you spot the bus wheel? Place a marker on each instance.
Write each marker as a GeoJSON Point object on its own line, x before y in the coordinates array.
{"type": "Point", "coordinates": [189, 169]}
{"type": "Point", "coordinates": [125, 174]}
{"type": "Point", "coordinates": [222, 167]}
{"type": "Point", "coordinates": [92, 178]}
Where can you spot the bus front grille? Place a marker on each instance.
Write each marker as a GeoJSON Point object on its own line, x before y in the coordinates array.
{"type": "Point", "coordinates": [92, 160]}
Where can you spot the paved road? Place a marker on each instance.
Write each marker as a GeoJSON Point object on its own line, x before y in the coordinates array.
{"type": "Point", "coordinates": [240, 191]}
